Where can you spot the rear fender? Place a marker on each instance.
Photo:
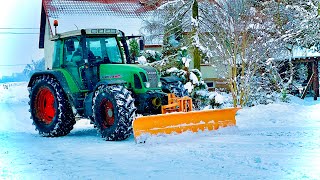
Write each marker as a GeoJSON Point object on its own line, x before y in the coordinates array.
{"type": "Point", "coordinates": [54, 74]}
{"type": "Point", "coordinates": [60, 78]}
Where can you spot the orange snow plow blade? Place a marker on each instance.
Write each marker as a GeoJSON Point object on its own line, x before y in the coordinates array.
{"type": "Point", "coordinates": [184, 121]}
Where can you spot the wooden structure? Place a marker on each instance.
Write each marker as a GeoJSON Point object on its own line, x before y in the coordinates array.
{"type": "Point", "coordinates": [313, 74]}
{"type": "Point", "coordinates": [217, 83]}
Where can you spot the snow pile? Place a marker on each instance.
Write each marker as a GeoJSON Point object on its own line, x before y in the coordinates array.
{"type": "Point", "coordinates": [172, 70]}
{"type": "Point", "coordinates": [277, 140]}
{"type": "Point", "coordinates": [188, 86]}
{"type": "Point", "coordinates": [15, 92]}
{"type": "Point", "coordinates": [186, 61]}
{"type": "Point", "coordinates": [219, 98]}
{"type": "Point", "coordinates": [279, 115]}
{"type": "Point", "coordinates": [14, 109]}
{"type": "Point", "coordinates": [142, 60]}
{"type": "Point", "coordinates": [193, 78]}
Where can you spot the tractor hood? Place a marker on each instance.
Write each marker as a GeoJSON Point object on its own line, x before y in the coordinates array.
{"type": "Point", "coordinates": [107, 70]}
{"type": "Point", "coordinates": [140, 78]}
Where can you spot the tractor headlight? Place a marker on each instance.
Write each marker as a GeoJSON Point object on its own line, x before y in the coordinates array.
{"type": "Point", "coordinates": [159, 84]}
{"type": "Point", "coordinates": [147, 84]}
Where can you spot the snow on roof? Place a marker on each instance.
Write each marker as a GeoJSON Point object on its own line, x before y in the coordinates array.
{"type": "Point", "coordinates": [130, 26]}
{"type": "Point", "coordinates": [300, 52]}
{"type": "Point", "coordinates": [125, 15]}
{"type": "Point", "coordinates": [127, 8]}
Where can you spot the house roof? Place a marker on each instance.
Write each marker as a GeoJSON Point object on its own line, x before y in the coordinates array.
{"type": "Point", "coordinates": [124, 8]}
{"type": "Point", "coordinates": [125, 15]}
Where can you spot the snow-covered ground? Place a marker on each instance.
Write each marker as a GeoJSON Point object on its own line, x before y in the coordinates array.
{"type": "Point", "coordinates": [277, 141]}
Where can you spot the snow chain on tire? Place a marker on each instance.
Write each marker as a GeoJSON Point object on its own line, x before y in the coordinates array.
{"type": "Point", "coordinates": [119, 104]}
{"type": "Point", "coordinates": [62, 119]}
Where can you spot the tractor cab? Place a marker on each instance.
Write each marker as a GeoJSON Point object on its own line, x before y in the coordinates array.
{"type": "Point", "coordinates": [82, 52]}
{"type": "Point", "coordinates": [99, 49]}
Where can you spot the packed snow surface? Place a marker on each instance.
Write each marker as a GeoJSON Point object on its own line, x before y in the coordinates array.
{"type": "Point", "coordinates": [276, 141]}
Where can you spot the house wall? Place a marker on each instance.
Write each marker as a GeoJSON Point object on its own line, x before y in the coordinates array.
{"type": "Point", "coordinates": [153, 47]}
{"type": "Point", "coordinates": [215, 76]}
{"type": "Point", "coordinates": [48, 47]}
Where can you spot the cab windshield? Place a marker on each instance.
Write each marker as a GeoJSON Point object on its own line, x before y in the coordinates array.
{"type": "Point", "coordinates": [105, 48]}
{"type": "Point", "coordinates": [100, 49]}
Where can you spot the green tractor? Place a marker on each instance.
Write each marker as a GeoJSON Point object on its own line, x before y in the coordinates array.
{"type": "Point", "coordinates": [92, 76]}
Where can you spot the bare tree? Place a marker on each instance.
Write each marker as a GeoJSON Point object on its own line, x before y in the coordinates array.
{"type": "Point", "coordinates": [252, 39]}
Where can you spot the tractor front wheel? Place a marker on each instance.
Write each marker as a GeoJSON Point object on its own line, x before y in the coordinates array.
{"type": "Point", "coordinates": [113, 112]}
{"type": "Point", "coordinates": [50, 109]}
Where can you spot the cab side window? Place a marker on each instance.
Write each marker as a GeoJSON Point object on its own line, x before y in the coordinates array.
{"type": "Point", "coordinates": [95, 48]}
{"type": "Point", "coordinates": [72, 52]}
{"type": "Point", "coordinates": [56, 55]}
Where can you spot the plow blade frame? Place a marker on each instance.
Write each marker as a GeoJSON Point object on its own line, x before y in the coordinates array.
{"type": "Point", "coordinates": [184, 121]}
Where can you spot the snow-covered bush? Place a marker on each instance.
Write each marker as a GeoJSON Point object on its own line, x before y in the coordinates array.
{"type": "Point", "coordinates": [177, 61]}
{"type": "Point", "coordinates": [134, 49]}
{"type": "Point", "coordinates": [152, 56]}
{"type": "Point", "coordinates": [197, 88]}
{"type": "Point", "coordinates": [273, 82]}
{"type": "Point", "coordinates": [204, 99]}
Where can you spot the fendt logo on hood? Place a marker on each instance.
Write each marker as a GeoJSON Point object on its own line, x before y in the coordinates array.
{"type": "Point", "coordinates": [117, 76]}
{"type": "Point", "coordinates": [151, 72]}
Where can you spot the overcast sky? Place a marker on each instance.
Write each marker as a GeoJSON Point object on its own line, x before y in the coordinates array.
{"type": "Point", "coordinates": [19, 48]}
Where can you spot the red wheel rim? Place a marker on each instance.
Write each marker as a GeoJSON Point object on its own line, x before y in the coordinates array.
{"type": "Point", "coordinates": [107, 113]}
{"type": "Point", "coordinates": [45, 109]}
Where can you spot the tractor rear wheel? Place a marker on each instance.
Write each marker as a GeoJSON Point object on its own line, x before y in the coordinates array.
{"type": "Point", "coordinates": [113, 112]}
{"type": "Point", "coordinates": [49, 107]}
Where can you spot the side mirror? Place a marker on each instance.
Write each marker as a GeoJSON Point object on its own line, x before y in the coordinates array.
{"type": "Point", "coordinates": [70, 45]}
{"type": "Point", "coordinates": [141, 44]}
